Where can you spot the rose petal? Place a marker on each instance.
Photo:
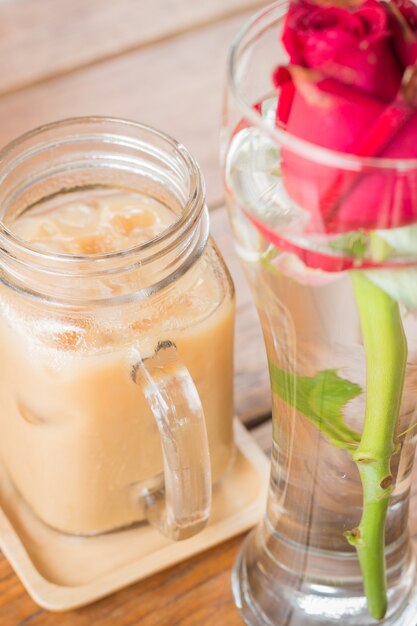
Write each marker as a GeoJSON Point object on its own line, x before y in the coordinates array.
{"type": "Point", "coordinates": [350, 45]}
{"type": "Point", "coordinates": [291, 265]}
{"type": "Point", "coordinates": [403, 24]}
{"type": "Point", "coordinates": [341, 200]}
{"type": "Point", "coordinates": [356, 108]}
{"type": "Point", "coordinates": [329, 114]}
{"type": "Point", "coordinates": [285, 102]}
{"type": "Point", "coordinates": [310, 258]}
{"type": "Point", "coordinates": [362, 69]}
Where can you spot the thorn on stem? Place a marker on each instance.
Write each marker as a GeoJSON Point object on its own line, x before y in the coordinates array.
{"type": "Point", "coordinates": [386, 483]}
{"type": "Point", "coordinates": [365, 460]}
{"type": "Point", "coordinates": [354, 536]}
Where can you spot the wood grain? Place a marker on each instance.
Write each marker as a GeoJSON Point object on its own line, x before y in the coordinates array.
{"type": "Point", "coordinates": [40, 39]}
{"type": "Point", "coordinates": [263, 435]}
{"type": "Point", "coordinates": [161, 62]}
{"type": "Point", "coordinates": [176, 86]}
{"type": "Point", "coordinates": [194, 593]}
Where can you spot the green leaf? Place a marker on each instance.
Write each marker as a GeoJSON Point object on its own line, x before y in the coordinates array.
{"type": "Point", "coordinates": [321, 399]}
{"type": "Point", "coordinates": [402, 240]}
{"type": "Point", "coordinates": [353, 243]}
{"type": "Point", "coordinates": [400, 284]}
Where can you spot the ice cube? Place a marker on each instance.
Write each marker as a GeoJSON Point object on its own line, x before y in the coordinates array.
{"type": "Point", "coordinates": [94, 244]}
{"type": "Point", "coordinates": [77, 215]}
{"type": "Point", "coordinates": [137, 219]}
{"type": "Point", "coordinates": [253, 175]}
{"type": "Point", "coordinates": [142, 325]}
{"type": "Point", "coordinates": [269, 110]}
{"type": "Point", "coordinates": [68, 340]}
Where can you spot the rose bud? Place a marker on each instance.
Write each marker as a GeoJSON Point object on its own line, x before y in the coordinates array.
{"type": "Point", "coordinates": [345, 89]}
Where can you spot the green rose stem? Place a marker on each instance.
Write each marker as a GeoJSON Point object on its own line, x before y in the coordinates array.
{"type": "Point", "coordinates": [386, 356]}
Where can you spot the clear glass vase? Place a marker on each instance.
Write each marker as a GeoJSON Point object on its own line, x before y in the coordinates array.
{"type": "Point", "coordinates": [322, 305]}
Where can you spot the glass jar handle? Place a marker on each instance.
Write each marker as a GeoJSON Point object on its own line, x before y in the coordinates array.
{"type": "Point", "coordinates": [181, 508]}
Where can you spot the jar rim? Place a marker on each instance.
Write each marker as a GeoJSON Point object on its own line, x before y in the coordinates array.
{"type": "Point", "coordinates": [63, 277]}
{"type": "Point", "coordinates": [302, 147]}
{"type": "Point", "coordinates": [193, 207]}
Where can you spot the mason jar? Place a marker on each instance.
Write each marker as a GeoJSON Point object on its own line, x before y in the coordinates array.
{"type": "Point", "coordinates": [117, 358]}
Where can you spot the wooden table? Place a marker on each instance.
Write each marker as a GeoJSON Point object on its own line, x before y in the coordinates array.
{"type": "Point", "coordinates": [161, 62]}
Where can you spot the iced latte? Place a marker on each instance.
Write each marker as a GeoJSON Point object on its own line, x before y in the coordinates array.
{"type": "Point", "coordinates": [77, 436]}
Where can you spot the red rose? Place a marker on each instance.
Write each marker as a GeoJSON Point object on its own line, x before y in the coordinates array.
{"type": "Point", "coordinates": [403, 24]}
{"type": "Point", "coordinates": [344, 90]}
{"type": "Point", "coordinates": [349, 45]}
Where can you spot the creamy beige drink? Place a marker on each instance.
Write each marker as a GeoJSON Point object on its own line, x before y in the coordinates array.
{"type": "Point", "coordinates": [77, 436]}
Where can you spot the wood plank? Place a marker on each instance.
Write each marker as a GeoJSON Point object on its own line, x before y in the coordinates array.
{"type": "Point", "coordinates": [263, 435]}
{"type": "Point", "coordinates": [194, 593]}
{"type": "Point", "coordinates": [252, 395]}
{"type": "Point", "coordinates": [43, 38]}
{"type": "Point", "coordinates": [176, 86]}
